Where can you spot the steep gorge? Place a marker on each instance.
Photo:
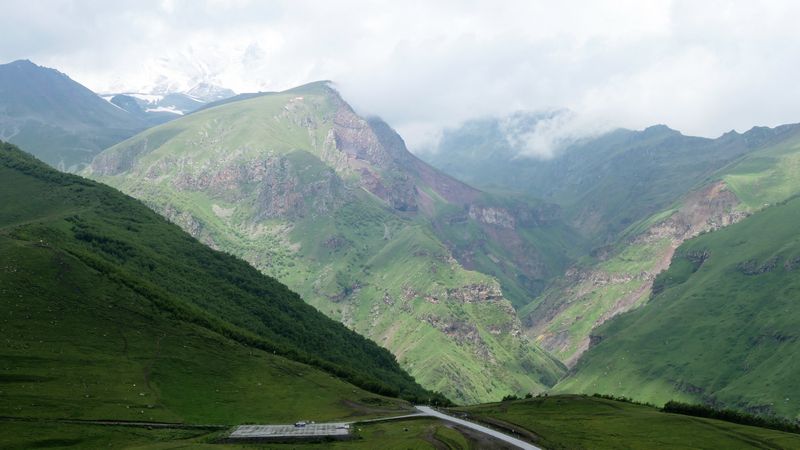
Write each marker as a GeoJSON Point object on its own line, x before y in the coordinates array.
{"type": "Point", "coordinates": [562, 319]}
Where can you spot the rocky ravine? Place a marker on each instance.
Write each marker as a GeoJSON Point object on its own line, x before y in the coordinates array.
{"type": "Point", "coordinates": [562, 319]}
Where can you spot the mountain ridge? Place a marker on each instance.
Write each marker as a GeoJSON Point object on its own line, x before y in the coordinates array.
{"type": "Point", "coordinates": [605, 183]}
{"type": "Point", "coordinates": [334, 205]}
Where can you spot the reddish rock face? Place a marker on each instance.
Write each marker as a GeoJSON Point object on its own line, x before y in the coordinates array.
{"type": "Point", "coordinates": [374, 151]}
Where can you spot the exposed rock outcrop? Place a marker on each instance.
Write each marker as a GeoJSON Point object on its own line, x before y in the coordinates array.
{"type": "Point", "coordinates": [705, 210]}
{"type": "Point", "coordinates": [492, 216]}
{"type": "Point", "coordinates": [281, 193]}
{"type": "Point", "coordinates": [475, 293]}
{"type": "Point", "coordinates": [114, 163]}
{"type": "Point", "coordinates": [754, 267]}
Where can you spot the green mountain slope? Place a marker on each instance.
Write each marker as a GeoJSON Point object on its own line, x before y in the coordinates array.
{"type": "Point", "coordinates": [768, 175]}
{"type": "Point", "coordinates": [63, 122]}
{"type": "Point", "coordinates": [335, 206]}
{"type": "Point", "coordinates": [721, 327]}
{"type": "Point", "coordinates": [111, 312]}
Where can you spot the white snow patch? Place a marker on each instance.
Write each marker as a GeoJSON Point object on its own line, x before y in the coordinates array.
{"type": "Point", "coordinates": [148, 98]}
{"type": "Point", "coordinates": [169, 109]}
{"type": "Point", "coordinates": [108, 99]}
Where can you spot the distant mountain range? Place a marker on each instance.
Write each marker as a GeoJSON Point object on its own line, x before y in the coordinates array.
{"type": "Point", "coordinates": [67, 124]}
{"type": "Point", "coordinates": [605, 182]}
{"type": "Point", "coordinates": [160, 108]}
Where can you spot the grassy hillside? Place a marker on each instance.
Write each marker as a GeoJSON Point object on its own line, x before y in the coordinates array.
{"type": "Point", "coordinates": [557, 422]}
{"type": "Point", "coordinates": [578, 422]}
{"type": "Point", "coordinates": [109, 311]}
{"type": "Point", "coordinates": [720, 329]}
{"type": "Point", "coordinates": [767, 176]}
{"type": "Point", "coordinates": [335, 207]}
{"type": "Point", "coordinates": [420, 433]}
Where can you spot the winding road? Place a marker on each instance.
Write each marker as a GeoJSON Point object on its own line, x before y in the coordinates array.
{"type": "Point", "coordinates": [473, 426]}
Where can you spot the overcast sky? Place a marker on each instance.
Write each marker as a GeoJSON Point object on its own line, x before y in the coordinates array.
{"type": "Point", "coordinates": [703, 67]}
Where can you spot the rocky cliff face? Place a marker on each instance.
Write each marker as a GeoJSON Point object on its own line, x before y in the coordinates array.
{"type": "Point", "coordinates": [352, 148]}
{"type": "Point", "coordinates": [370, 154]}
{"type": "Point", "coordinates": [119, 162]}
{"type": "Point", "coordinates": [370, 151]}
{"type": "Point", "coordinates": [708, 209]}
{"type": "Point", "coordinates": [354, 137]}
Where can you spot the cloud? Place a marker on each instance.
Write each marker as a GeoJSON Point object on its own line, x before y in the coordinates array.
{"type": "Point", "coordinates": [544, 135]}
{"type": "Point", "coordinates": [701, 67]}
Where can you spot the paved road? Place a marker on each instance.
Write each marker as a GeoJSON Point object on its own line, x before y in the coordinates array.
{"type": "Point", "coordinates": [392, 418]}
{"type": "Point", "coordinates": [496, 434]}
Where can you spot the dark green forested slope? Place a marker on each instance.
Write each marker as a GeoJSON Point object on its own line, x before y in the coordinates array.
{"type": "Point", "coordinates": [102, 300]}
{"type": "Point", "coordinates": [720, 328]}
